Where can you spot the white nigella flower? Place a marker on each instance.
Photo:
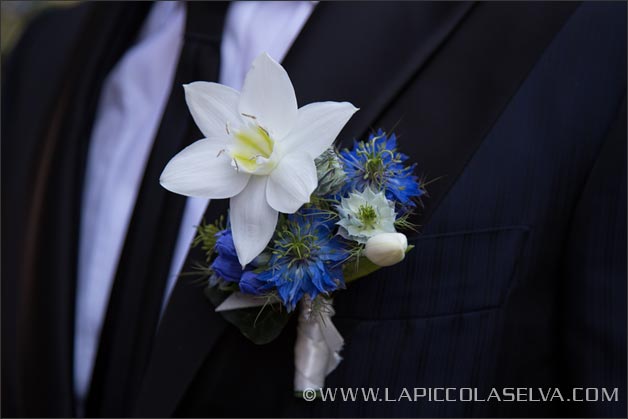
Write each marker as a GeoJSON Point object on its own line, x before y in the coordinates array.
{"type": "Point", "coordinates": [259, 150]}
{"type": "Point", "coordinates": [365, 214]}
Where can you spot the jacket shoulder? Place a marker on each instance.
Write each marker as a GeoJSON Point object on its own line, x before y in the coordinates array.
{"type": "Point", "coordinates": [49, 36]}
{"type": "Point", "coordinates": [32, 72]}
{"type": "Point", "coordinates": [36, 63]}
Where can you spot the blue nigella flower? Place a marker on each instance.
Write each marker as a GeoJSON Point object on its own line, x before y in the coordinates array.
{"type": "Point", "coordinates": [226, 265]}
{"type": "Point", "coordinates": [307, 259]}
{"type": "Point", "coordinates": [252, 284]}
{"type": "Point", "coordinates": [377, 163]}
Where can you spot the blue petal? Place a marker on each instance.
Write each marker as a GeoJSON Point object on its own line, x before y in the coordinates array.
{"type": "Point", "coordinates": [226, 265]}
{"type": "Point", "coordinates": [224, 243]}
{"type": "Point", "coordinates": [252, 284]}
{"type": "Point", "coordinates": [227, 268]}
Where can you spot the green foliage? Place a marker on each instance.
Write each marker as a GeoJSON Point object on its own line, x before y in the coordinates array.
{"type": "Point", "coordinates": [261, 325]}
{"type": "Point", "coordinates": [206, 236]}
{"type": "Point", "coordinates": [403, 222]}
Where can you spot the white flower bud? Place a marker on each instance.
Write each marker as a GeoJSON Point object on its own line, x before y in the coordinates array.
{"type": "Point", "coordinates": [386, 249]}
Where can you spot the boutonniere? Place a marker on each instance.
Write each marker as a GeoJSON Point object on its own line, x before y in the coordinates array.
{"type": "Point", "coordinates": [304, 219]}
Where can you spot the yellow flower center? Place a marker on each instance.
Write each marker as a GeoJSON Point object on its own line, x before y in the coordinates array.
{"type": "Point", "coordinates": [251, 150]}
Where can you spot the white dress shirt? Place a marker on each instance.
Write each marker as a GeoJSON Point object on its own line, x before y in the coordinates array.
{"type": "Point", "coordinates": [131, 105]}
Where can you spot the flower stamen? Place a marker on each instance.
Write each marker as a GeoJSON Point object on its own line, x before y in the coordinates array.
{"type": "Point", "coordinates": [252, 149]}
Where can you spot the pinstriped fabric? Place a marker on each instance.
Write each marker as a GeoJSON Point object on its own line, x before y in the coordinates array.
{"type": "Point", "coordinates": [594, 280]}
{"type": "Point", "coordinates": [483, 301]}
{"type": "Point", "coordinates": [480, 302]}
{"type": "Point", "coordinates": [443, 275]}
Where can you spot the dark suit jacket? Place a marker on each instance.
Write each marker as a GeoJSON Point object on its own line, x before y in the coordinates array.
{"type": "Point", "coordinates": [518, 278]}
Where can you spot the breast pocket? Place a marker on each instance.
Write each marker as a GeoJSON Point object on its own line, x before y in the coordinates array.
{"type": "Point", "coordinates": [450, 273]}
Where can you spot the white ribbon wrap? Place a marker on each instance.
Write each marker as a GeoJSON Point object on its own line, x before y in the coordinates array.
{"type": "Point", "coordinates": [318, 345]}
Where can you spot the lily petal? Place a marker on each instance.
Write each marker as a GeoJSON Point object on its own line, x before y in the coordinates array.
{"type": "Point", "coordinates": [203, 170]}
{"type": "Point", "coordinates": [291, 183]}
{"type": "Point", "coordinates": [212, 106]}
{"type": "Point", "coordinates": [268, 97]}
{"type": "Point", "coordinates": [318, 125]}
{"type": "Point", "coordinates": [253, 221]}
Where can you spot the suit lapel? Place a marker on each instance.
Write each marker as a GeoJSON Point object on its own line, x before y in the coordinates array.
{"type": "Point", "coordinates": [320, 69]}
{"type": "Point", "coordinates": [366, 52]}
{"type": "Point", "coordinates": [446, 111]}
{"type": "Point", "coordinates": [446, 99]}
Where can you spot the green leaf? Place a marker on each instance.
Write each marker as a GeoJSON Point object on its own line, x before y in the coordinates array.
{"type": "Point", "coordinates": [260, 325]}
{"type": "Point", "coordinates": [206, 236]}
{"type": "Point", "coordinates": [361, 267]}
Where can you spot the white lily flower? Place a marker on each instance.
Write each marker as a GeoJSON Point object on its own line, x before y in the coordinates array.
{"type": "Point", "coordinates": [259, 150]}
